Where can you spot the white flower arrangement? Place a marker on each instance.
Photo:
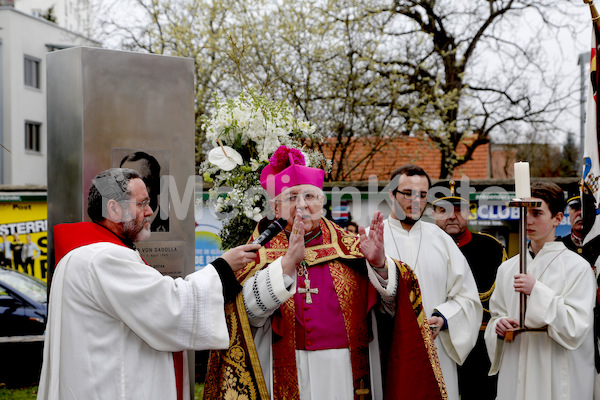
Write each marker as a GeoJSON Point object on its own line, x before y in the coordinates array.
{"type": "Point", "coordinates": [245, 132]}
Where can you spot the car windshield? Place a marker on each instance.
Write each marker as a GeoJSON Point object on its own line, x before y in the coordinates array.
{"type": "Point", "coordinates": [26, 284]}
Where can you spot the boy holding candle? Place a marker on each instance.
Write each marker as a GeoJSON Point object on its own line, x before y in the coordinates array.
{"type": "Point", "coordinates": [555, 359]}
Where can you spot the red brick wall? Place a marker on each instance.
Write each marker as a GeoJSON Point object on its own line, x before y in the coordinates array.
{"type": "Point", "coordinates": [502, 163]}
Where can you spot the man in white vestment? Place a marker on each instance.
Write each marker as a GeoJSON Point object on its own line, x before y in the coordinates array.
{"type": "Point", "coordinates": [302, 327]}
{"type": "Point", "coordinates": [116, 326]}
{"type": "Point", "coordinates": [450, 295]}
{"type": "Point", "coordinates": [555, 360]}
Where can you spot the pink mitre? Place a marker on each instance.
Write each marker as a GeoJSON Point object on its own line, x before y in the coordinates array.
{"type": "Point", "coordinates": [286, 169]}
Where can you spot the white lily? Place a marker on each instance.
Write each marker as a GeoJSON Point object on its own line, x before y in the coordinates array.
{"type": "Point", "coordinates": [225, 158]}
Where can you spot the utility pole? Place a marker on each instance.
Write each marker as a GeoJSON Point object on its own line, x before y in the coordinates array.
{"type": "Point", "coordinates": [584, 59]}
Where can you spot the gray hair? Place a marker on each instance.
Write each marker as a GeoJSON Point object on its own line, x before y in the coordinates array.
{"type": "Point", "coordinates": [110, 184]}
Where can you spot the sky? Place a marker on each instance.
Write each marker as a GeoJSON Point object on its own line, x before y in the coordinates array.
{"type": "Point", "coordinates": [562, 52]}
{"type": "Point", "coordinates": [567, 50]}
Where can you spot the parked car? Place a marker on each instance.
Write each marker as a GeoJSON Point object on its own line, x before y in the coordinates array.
{"type": "Point", "coordinates": [23, 311]}
{"type": "Point", "coordinates": [23, 304]}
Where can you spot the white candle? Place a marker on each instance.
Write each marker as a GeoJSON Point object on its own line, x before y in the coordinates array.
{"type": "Point", "coordinates": [522, 185]}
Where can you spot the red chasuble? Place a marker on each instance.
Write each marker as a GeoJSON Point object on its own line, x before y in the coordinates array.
{"type": "Point", "coordinates": [339, 254]}
{"type": "Point", "coordinates": [68, 237]}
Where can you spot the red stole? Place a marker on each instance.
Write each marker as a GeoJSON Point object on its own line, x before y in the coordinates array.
{"type": "Point", "coordinates": [68, 237]}
{"type": "Point", "coordinates": [412, 371]}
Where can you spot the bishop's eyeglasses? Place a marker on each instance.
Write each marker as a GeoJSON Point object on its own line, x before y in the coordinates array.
{"type": "Point", "coordinates": [308, 197]}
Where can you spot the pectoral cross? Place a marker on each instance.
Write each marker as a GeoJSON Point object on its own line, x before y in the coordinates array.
{"type": "Point", "coordinates": [362, 392]}
{"type": "Point", "coordinates": [309, 292]}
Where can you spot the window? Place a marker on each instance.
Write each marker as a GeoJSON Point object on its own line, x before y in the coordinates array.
{"type": "Point", "coordinates": [32, 136]}
{"type": "Point", "coordinates": [32, 72]}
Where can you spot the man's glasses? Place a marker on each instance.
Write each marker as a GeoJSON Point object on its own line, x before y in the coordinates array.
{"type": "Point", "coordinates": [308, 197]}
{"type": "Point", "coordinates": [412, 195]}
{"type": "Point", "coordinates": [142, 204]}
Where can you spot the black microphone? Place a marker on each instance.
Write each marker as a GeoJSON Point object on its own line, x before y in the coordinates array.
{"type": "Point", "coordinates": [273, 229]}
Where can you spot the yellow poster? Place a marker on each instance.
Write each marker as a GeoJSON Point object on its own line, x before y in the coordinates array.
{"type": "Point", "coordinates": [24, 225]}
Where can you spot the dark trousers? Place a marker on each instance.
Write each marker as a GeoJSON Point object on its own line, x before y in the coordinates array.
{"type": "Point", "coordinates": [473, 380]}
{"type": "Point", "coordinates": [18, 263]}
{"type": "Point", "coordinates": [29, 261]}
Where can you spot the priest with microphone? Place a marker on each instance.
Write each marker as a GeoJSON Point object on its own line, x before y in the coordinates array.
{"type": "Point", "coordinates": [303, 325]}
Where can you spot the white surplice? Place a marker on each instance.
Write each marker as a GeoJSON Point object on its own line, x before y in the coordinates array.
{"type": "Point", "coordinates": [559, 363]}
{"type": "Point", "coordinates": [447, 285]}
{"type": "Point", "coordinates": [115, 321]}
{"type": "Point", "coordinates": [322, 374]}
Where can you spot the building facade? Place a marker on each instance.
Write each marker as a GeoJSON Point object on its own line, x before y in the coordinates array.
{"type": "Point", "coordinates": [74, 15]}
{"type": "Point", "coordinates": [24, 42]}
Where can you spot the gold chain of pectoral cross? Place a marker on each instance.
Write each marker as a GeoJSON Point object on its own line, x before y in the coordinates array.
{"type": "Point", "coordinates": [303, 271]}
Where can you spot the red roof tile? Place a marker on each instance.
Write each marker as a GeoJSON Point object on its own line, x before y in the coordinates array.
{"type": "Point", "coordinates": [397, 152]}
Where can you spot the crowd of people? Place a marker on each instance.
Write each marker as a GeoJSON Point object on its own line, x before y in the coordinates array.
{"type": "Point", "coordinates": [404, 309]}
